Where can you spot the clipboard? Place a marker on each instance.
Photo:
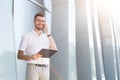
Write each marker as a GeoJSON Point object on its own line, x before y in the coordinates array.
{"type": "Point", "coordinates": [47, 53]}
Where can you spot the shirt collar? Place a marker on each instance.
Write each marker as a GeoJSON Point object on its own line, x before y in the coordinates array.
{"type": "Point", "coordinates": [36, 32]}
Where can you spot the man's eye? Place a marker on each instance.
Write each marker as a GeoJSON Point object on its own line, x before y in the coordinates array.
{"type": "Point", "coordinates": [41, 20]}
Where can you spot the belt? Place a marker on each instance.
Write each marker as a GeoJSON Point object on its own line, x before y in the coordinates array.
{"type": "Point", "coordinates": [41, 65]}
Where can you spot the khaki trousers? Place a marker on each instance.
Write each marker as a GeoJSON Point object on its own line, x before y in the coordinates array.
{"type": "Point", "coordinates": [34, 72]}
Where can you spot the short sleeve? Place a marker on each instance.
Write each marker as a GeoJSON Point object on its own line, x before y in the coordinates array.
{"type": "Point", "coordinates": [23, 43]}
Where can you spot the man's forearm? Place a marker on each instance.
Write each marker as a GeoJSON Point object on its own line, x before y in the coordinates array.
{"type": "Point", "coordinates": [28, 57]}
{"type": "Point", "coordinates": [24, 57]}
{"type": "Point", "coordinates": [21, 56]}
{"type": "Point", "coordinates": [52, 43]}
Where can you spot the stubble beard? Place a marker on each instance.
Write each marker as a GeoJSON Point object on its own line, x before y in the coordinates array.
{"type": "Point", "coordinates": [38, 28]}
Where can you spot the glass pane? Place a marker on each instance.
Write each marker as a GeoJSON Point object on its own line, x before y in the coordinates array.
{"type": "Point", "coordinates": [7, 51]}
{"type": "Point", "coordinates": [72, 42]}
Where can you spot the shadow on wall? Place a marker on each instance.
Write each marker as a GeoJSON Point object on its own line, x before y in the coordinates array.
{"type": "Point", "coordinates": [7, 65]}
{"type": "Point", "coordinates": [56, 73]}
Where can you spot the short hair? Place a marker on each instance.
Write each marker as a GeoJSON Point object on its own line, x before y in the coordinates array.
{"type": "Point", "coordinates": [39, 14]}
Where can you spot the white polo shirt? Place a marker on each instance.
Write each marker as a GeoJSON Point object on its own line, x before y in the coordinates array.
{"type": "Point", "coordinates": [31, 44]}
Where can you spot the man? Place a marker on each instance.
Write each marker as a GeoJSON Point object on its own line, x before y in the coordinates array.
{"type": "Point", "coordinates": [31, 44]}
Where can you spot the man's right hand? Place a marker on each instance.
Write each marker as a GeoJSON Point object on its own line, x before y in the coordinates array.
{"type": "Point", "coordinates": [35, 56]}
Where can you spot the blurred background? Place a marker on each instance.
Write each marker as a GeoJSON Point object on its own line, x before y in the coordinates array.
{"type": "Point", "coordinates": [87, 33]}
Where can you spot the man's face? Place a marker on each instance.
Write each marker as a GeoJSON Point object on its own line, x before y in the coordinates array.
{"type": "Point", "coordinates": [39, 22]}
